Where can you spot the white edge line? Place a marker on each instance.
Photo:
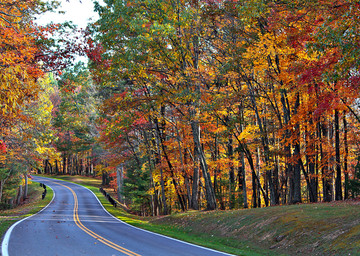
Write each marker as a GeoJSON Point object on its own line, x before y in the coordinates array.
{"type": "Point", "coordinates": [5, 242]}
{"type": "Point", "coordinates": [171, 238]}
{"type": "Point", "coordinates": [123, 222]}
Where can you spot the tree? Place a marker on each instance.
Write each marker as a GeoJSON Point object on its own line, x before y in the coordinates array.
{"type": "Point", "coordinates": [26, 52]}
{"type": "Point", "coordinates": [74, 117]}
{"type": "Point", "coordinates": [210, 98]}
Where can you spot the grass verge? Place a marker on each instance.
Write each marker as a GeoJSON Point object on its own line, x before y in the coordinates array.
{"type": "Point", "coordinates": [32, 205]}
{"type": "Point", "coordinates": [303, 229]}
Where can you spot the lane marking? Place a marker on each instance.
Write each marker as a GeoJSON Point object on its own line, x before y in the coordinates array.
{"type": "Point", "coordinates": [6, 240]}
{"type": "Point", "coordinates": [144, 230]}
{"type": "Point", "coordinates": [157, 234]}
{"type": "Point", "coordinates": [92, 233]}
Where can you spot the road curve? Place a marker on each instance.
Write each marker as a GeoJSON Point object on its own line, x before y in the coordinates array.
{"type": "Point", "coordinates": [75, 223]}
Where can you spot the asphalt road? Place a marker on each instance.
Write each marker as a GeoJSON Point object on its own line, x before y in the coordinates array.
{"type": "Point", "coordinates": [75, 223]}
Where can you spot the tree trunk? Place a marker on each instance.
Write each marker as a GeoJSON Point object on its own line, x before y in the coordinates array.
{"type": "Point", "coordinates": [92, 168]}
{"type": "Point", "coordinates": [296, 195]}
{"type": "Point", "coordinates": [19, 195]}
{"type": "Point", "coordinates": [209, 190]}
{"type": "Point", "coordinates": [120, 182]}
{"type": "Point", "coordinates": [195, 185]}
{"type": "Point", "coordinates": [26, 188]}
{"type": "Point", "coordinates": [338, 189]}
{"type": "Point", "coordinates": [326, 171]}
{"type": "Point", "coordinates": [195, 127]}
{"type": "Point", "coordinates": [265, 145]}
{"type": "Point", "coordinates": [187, 180]}
{"type": "Point", "coordinates": [254, 189]}
{"type": "Point", "coordinates": [188, 192]}
{"type": "Point", "coordinates": [242, 170]}
{"type": "Point", "coordinates": [311, 163]}
{"type": "Point", "coordinates": [81, 166]}
{"type": "Point", "coordinates": [68, 165]}
{"type": "Point", "coordinates": [105, 179]}
{"type": "Point", "coordinates": [162, 183]}
{"type": "Point", "coordinates": [184, 198]}
{"type": "Point", "coordinates": [56, 167]}
{"type": "Point", "coordinates": [46, 167]}
{"type": "Point", "coordinates": [231, 174]}
{"type": "Point", "coordinates": [2, 183]}
{"type": "Point", "coordinates": [258, 167]}
{"type": "Point", "coordinates": [76, 164]}
{"type": "Point", "coordinates": [150, 149]}
{"type": "Point", "coordinates": [163, 147]}
{"type": "Point", "coordinates": [296, 175]}
{"type": "Point", "coordinates": [346, 174]}
{"type": "Point", "coordinates": [242, 180]}
{"type": "Point", "coordinates": [64, 163]}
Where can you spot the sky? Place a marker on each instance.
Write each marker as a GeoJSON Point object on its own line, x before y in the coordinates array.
{"type": "Point", "coordinates": [80, 12]}
{"type": "Point", "coordinates": [77, 12]}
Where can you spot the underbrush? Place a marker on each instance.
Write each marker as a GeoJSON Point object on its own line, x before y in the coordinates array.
{"type": "Point", "coordinates": [30, 206]}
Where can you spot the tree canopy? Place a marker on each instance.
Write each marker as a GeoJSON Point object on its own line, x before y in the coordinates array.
{"type": "Point", "coordinates": [190, 104]}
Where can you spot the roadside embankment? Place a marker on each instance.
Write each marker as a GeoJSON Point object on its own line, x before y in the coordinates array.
{"type": "Point", "coordinates": [303, 229]}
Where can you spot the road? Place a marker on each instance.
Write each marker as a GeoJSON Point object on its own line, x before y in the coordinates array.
{"type": "Point", "coordinates": [75, 223]}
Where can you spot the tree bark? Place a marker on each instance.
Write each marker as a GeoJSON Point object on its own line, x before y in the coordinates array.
{"type": "Point", "coordinates": [64, 163]}
{"type": "Point", "coordinates": [346, 174]}
{"type": "Point", "coordinates": [265, 144]}
{"type": "Point", "coordinates": [242, 170]}
{"type": "Point", "coordinates": [177, 188]}
{"type": "Point", "coordinates": [231, 174]}
{"type": "Point", "coordinates": [296, 175]}
{"type": "Point", "coordinates": [326, 171]}
{"type": "Point", "coordinates": [56, 167]}
{"type": "Point", "coordinates": [26, 188]}
{"type": "Point", "coordinates": [162, 183]}
{"type": "Point", "coordinates": [311, 159]}
{"type": "Point", "coordinates": [195, 126]}
{"type": "Point", "coordinates": [150, 153]}
{"type": "Point", "coordinates": [242, 180]}
{"type": "Point", "coordinates": [209, 190]}
{"type": "Point", "coordinates": [182, 168]}
{"type": "Point", "coordinates": [195, 184]}
{"type": "Point", "coordinates": [19, 195]}
{"type": "Point", "coordinates": [338, 189]}
{"type": "Point", "coordinates": [120, 182]}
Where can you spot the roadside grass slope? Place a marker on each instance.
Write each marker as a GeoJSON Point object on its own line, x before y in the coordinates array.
{"type": "Point", "coordinates": [304, 229]}
{"type": "Point", "coordinates": [32, 205]}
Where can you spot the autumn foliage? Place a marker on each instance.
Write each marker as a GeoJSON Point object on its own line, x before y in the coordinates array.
{"type": "Point", "coordinates": [192, 104]}
{"type": "Point", "coordinates": [225, 104]}
{"type": "Point", "coordinates": [28, 52]}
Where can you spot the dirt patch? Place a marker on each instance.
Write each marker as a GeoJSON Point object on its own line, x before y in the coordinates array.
{"type": "Point", "coordinates": [334, 235]}
{"type": "Point", "coordinates": [265, 222]}
{"type": "Point", "coordinates": [74, 179]}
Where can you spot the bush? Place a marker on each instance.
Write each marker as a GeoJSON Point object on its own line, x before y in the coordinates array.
{"type": "Point", "coordinates": [5, 206]}
{"type": "Point", "coordinates": [354, 184]}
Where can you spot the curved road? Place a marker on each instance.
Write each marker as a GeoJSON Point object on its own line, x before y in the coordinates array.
{"type": "Point", "coordinates": [75, 223]}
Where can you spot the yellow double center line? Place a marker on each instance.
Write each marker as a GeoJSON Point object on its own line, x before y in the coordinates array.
{"type": "Point", "coordinates": [92, 233]}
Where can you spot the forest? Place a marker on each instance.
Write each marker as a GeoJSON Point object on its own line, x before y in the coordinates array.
{"type": "Point", "coordinates": [203, 105]}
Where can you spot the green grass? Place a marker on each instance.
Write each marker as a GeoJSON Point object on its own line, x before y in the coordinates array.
{"type": "Point", "coordinates": [218, 243]}
{"type": "Point", "coordinates": [303, 229]}
{"type": "Point", "coordinates": [33, 205]}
